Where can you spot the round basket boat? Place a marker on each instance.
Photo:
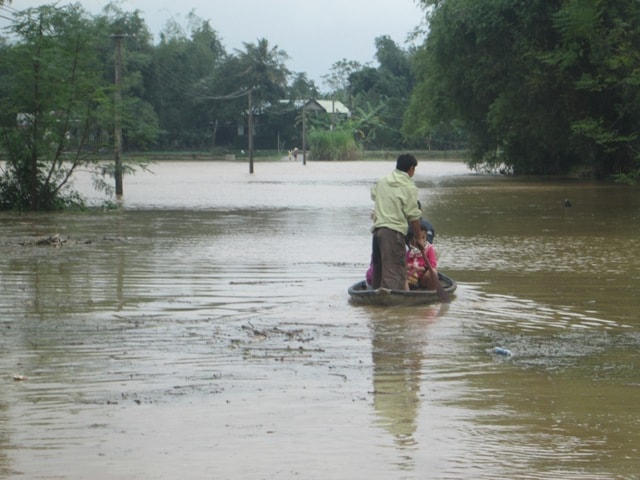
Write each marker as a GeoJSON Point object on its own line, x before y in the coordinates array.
{"type": "Point", "coordinates": [361, 294]}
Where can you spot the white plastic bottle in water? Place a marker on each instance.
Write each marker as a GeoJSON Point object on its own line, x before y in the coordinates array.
{"type": "Point", "coordinates": [502, 351]}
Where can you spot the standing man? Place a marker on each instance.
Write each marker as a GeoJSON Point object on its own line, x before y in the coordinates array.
{"type": "Point", "coordinates": [396, 203]}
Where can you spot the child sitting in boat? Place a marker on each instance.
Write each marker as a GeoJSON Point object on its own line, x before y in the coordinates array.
{"type": "Point", "coordinates": [418, 275]}
{"type": "Point", "coordinates": [416, 266]}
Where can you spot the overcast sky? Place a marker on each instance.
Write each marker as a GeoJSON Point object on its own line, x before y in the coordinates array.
{"type": "Point", "coordinates": [315, 33]}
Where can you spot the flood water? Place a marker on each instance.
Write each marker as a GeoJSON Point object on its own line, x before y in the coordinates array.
{"type": "Point", "coordinates": [205, 331]}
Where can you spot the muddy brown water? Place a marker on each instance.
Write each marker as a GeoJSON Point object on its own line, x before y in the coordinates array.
{"type": "Point", "coordinates": [205, 331]}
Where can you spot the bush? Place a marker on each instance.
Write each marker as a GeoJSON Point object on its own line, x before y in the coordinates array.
{"type": "Point", "coordinates": [333, 145]}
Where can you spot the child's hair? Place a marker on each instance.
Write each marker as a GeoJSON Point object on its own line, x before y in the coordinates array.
{"type": "Point", "coordinates": [425, 226]}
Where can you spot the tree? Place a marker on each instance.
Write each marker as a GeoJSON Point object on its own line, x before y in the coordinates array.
{"type": "Point", "coordinates": [263, 75]}
{"type": "Point", "coordinates": [51, 90]}
{"type": "Point", "coordinates": [264, 70]}
{"type": "Point", "coordinates": [283, 121]}
{"type": "Point", "coordinates": [139, 119]}
{"type": "Point", "coordinates": [179, 83]}
{"type": "Point", "coordinates": [338, 79]}
{"type": "Point", "coordinates": [541, 86]}
{"type": "Point", "coordinates": [385, 89]}
{"type": "Point", "coordinates": [393, 60]}
{"type": "Point", "coordinates": [302, 88]}
{"type": "Point", "coordinates": [599, 60]}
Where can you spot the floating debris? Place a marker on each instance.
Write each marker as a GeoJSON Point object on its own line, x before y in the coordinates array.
{"type": "Point", "coordinates": [502, 351]}
{"type": "Point", "coordinates": [54, 240]}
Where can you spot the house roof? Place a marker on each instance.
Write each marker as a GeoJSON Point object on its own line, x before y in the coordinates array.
{"type": "Point", "coordinates": [329, 106]}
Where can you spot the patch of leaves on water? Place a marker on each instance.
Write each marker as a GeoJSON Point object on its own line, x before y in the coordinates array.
{"type": "Point", "coordinates": [158, 395]}
{"type": "Point", "coordinates": [275, 342]}
{"type": "Point", "coordinates": [57, 240]}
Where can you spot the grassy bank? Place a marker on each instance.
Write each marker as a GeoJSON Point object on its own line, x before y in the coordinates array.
{"type": "Point", "coordinates": [274, 155]}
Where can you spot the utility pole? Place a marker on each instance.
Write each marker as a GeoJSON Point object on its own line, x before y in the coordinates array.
{"type": "Point", "coordinates": [250, 132]}
{"type": "Point", "coordinates": [304, 134]}
{"type": "Point", "coordinates": [118, 115]}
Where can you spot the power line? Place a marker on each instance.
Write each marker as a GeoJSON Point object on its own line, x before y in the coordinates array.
{"type": "Point", "coordinates": [8, 7]}
{"type": "Point", "coordinates": [161, 77]}
{"type": "Point", "coordinates": [8, 11]}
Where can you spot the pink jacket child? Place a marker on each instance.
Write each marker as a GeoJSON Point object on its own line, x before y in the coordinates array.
{"type": "Point", "coordinates": [417, 271]}
{"type": "Point", "coordinates": [369, 275]}
{"type": "Point", "coordinates": [416, 266]}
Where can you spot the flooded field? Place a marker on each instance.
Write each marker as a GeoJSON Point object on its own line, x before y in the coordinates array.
{"type": "Point", "coordinates": [205, 331]}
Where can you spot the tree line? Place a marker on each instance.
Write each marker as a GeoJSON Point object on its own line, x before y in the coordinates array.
{"type": "Point", "coordinates": [186, 92]}
{"type": "Point", "coordinates": [538, 87]}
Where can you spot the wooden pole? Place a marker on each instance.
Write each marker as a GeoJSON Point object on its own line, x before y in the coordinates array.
{"type": "Point", "coordinates": [250, 133]}
{"type": "Point", "coordinates": [304, 134]}
{"type": "Point", "coordinates": [118, 116]}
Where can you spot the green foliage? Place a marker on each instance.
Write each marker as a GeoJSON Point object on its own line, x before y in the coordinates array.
{"type": "Point", "coordinates": [630, 178]}
{"type": "Point", "coordinates": [16, 193]}
{"type": "Point", "coordinates": [187, 92]}
{"type": "Point", "coordinates": [263, 69]}
{"type": "Point", "coordinates": [333, 145]}
{"type": "Point", "coordinates": [338, 78]}
{"type": "Point", "coordinates": [384, 89]}
{"type": "Point", "coordinates": [56, 98]}
{"type": "Point", "coordinates": [302, 88]}
{"type": "Point", "coordinates": [540, 86]}
{"type": "Point", "coordinates": [49, 92]}
{"type": "Point", "coordinates": [183, 70]}
{"type": "Point", "coordinates": [377, 99]}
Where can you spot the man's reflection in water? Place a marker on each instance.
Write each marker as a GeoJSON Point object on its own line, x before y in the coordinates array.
{"type": "Point", "coordinates": [398, 349]}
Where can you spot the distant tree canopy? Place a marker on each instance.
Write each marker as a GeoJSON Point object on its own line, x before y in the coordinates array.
{"type": "Point", "coordinates": [385, 90]}
{"type": "Point", "coordinates": [543, 86]}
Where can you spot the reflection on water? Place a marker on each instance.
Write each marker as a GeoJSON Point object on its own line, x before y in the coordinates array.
{"type": "Point", "coordinates": [398, 346]}
{"type": "Point", "coordinates": [205, 331]}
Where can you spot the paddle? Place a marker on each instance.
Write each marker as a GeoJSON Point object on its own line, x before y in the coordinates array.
{"type": "Point", "coordinates": [442, 295]}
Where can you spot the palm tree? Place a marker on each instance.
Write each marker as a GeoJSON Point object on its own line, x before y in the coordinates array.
{"type": "Point", "coordinates": [264, 71]}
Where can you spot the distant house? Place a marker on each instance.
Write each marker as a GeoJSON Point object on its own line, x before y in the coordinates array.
{"type": "Point", "coordinates": [24, 120]}
{"type": "Point", "coordinates": [332, 107]}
